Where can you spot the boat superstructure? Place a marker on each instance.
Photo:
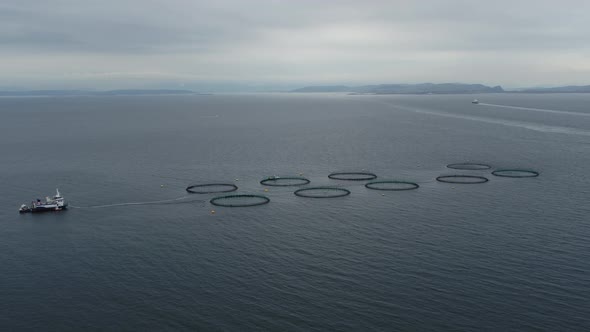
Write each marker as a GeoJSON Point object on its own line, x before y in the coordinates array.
{"type": "Point", "coordinates": [57, 203]}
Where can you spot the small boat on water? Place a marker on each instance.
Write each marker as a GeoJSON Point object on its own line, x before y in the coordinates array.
{"type": "Point", "coordinates": [475, 101]}
{"type": "Point", "coordinates": [56, 203]}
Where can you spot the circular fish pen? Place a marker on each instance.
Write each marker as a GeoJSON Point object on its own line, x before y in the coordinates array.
{"type": "Point", "coordinates": [353, 176]}
{"type": "Point", "coordinates": [322, 192]}
{"type": "Point", "coordinates": [275, 181]}
{"type": "Point", "coordinates": [391, 185]}
{"type": "Point", "coordinates": [469, 166]}
{"type": "Point", "coordinates": [515, 173]}
{"type": "Point", "coordinates": [462, 179]}
{"type": "Point", "coordinates": [211, 188]}
{"type": "Point", "coordinates": [245, 200]}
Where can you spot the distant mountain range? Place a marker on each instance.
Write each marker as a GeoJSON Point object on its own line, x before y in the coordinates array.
{"type": "Point", "coordinates": [559, 89]}
{"type": "Point", "coordinates": [431, 88]}
{"type": "Point", "coordinates": [424, 88]}
{"type": "Point", "coordinates": [41, 93]}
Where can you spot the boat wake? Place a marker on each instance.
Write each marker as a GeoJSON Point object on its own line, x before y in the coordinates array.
{"type": "Point", "coordinates": [544, 110]}
{"type": "Point", "coordinates": [508, 123]}
{"type": "Point", "coordinates": [178, 200]}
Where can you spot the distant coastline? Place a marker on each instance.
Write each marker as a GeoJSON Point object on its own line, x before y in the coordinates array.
{"type": "Point", "coordinates": [431, 88]}
{"type": "Point", "coordinates": [378, 89]}
{"type": "Point", "coordinates": [559, 89]}
{"type": "Point", "coordinates": [128, 92]}
{"type": "Point", "coordinates": [424, 88]}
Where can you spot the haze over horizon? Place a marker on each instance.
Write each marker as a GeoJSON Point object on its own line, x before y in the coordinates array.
{"type": "Point", "coordinates": [66, 44]}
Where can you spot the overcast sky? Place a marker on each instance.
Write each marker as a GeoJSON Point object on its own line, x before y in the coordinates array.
{"type": "Point", "coordinates": [174, 43]}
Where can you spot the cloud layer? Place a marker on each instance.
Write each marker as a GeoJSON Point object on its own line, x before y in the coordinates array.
{"type": "Point", "coordinates": [111, 44]}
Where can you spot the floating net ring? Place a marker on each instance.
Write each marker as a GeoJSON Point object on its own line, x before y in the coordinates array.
{"type": "Point", "coordinates": [515, 173]}
{"type": "Point", "coordinates": [322, 192]}
{"type": "Point", "coordinates": [462, 179]}
{"type": "Point", "coordinates": [275, 181]}
{"type": "Point", "coordinates": [469, 166]}
{"type": "Point", "coordinates": [353, 176]}
{"type": "Point", "coordinates": [239, 200]}
{"type": "Point", "coordinates": [211, 188]}
{"type": "Point", "coordinates": [391, 185]}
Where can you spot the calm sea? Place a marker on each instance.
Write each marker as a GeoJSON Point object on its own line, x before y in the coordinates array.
{"type": "Point", "coordinates": [509, 254]}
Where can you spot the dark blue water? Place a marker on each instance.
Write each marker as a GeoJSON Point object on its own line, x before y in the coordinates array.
{"type": "Point", "coordinates": [510, 254]}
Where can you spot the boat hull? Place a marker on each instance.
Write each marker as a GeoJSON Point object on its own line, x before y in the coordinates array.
{"type": "Point", "coordinates": [39, 209]}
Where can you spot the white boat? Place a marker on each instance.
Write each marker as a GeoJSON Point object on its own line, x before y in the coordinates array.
{"type": "Point", "coordinates": [475, 101]}
{"type": "Point", "coordinates": [57, 203]}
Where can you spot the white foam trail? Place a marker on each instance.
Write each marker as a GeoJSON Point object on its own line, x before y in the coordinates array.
{"type": "Point", "coordinates": [132, 203]}
{"type": "Point", "coordinates": [509, 123]}
{"type": "Point", "coordinates": [544, 110]}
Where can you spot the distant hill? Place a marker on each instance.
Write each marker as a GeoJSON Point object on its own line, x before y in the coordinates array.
{"type": "Point", "coordinates": [424, 88]}
{"type": "Point", "coordinates": [326, 88]}
{"type": "Point", "coordinates": [41, 93]}
{"type": "Point", "coordinates": [145, 92]}
{"type": "Point", "coordinates": [559, 89]}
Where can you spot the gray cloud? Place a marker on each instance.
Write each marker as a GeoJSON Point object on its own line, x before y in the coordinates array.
{"type": "Point", "coordinates": [135, 43]}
